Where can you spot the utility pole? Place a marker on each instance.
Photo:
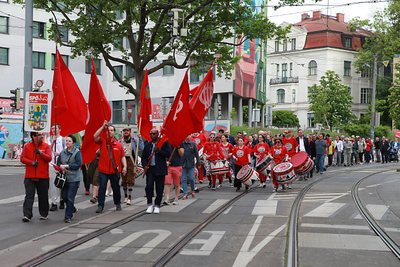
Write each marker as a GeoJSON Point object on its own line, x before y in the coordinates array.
{"type": "Point", "coordinates": [373, 117]}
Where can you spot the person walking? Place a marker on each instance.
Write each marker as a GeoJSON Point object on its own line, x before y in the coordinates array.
{"type": "Point", "coordinates": [348, 149]}
{"type": "Point", "coordinates": [70, 161]}
{"type": "Point", "coordinates": [385, 150]}
{"type": "Point", "coordinates": [377, 148]}
{"type": "Point", "coordinates": [154, 161]}
{"type": "Point", "coordinates": [111, 163]}
{"type": "Point", "coordinates": [338, 150]}
{"type": "Point", "coordinates": [174, 175]}
{"type": "Point", "coordinates": [188, 165]}
{"type": "Point", "coordinates": [36, 155]}
{"type": "Point", "coordinates": [320, 148]}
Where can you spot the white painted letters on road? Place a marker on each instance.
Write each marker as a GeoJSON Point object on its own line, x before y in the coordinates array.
{"type": "Point", "coordinates": [208, 245]}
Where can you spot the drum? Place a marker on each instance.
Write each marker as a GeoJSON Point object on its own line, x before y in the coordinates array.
{"type": "Point", "coordinates": [246, 174]}
{"type": "Point", "coordinates": [219, 167]}
{"type": "Point", "coordinates": [263, 166]}
{"type": "Point", "coordinates": [139, 172]}
{"type": "Point", "coordinates": [284, 173]}
{"type": "Point", "coordinates": [302, 164]}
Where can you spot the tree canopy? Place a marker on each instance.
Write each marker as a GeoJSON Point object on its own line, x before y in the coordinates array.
{"type": "Point", "coordinates": [330, 101]}
{"type": "Point", "coordinates": [141, 31]}
{"type": "Point", "coordinates": [284, 118]}
{"type": "Point", "coordinates": [394, 99]}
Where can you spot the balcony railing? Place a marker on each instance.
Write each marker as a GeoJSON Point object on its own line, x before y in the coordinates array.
{"type": "Point", "coordinates": [284, 80]}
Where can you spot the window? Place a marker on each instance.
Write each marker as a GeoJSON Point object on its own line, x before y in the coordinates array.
{"type": "Point", "coordinates": [277, 46]}
{"type": "Point", "coordinates": [119, 71]}
{"type": "Point", "coordinates": [293, 44]}
{"type": "Point", "coordinates": [347, 42]}
{"type": "Point", "coordinates": [312, 68]}
{"type": "Point", "coordinates": [294, 96]}
{"type": "Point", "coordinates": [118, 44]}
{"type": "Point", "coordinates": [310, 120]}
{"type": "Point", "coordinates": [4, 24]}
{"type": "Point", "coordinates": [97, 64]}
{"type": "Point", "coordinates": [117, 112]}
{"type": "Point", "coordinates": [53, 58]}
{"type": "Point", "coordinates": [197, 75]}
{"type": "Point", "coordinates": [130, 72]}
{"type": "Point", "coordinates": [38, 29]}
{"type": "Point", "coordinates": [63, 33]}
{"type": "Point", "coordinates": [168, 70]}
{"type": "Point", "coordinates": [277, 70]}
{"type": "Point", "coordinates": [347, 68]}
{"type": "Point", "coordinates": [39, 60]}
{"type": "Point", "coordinates": [285, 45]}
{"type": "Point", "coordinates": [365, 95]}
{"type": "Point", "coordinates": [291, 70]}
{"type": "Point", "coordinates": [130, 104]}
{"type": "Point", "coordinates": [280, 96]}
{"type": "Point", "coordinates": [284, 70]}
{"type": "Point", "coordinates": [3, 56]}
{"type": "Point", "coordinates": [366, 73]}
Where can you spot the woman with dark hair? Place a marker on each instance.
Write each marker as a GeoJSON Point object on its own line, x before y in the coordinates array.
{"type": "Point", "coordinates": [241, 155]}
{"type": "Point", "coordinates": [261, 150]}
{"type": "Point", "coordinates": [70, 161]}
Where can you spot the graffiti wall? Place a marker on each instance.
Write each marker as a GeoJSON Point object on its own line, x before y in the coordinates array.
{"type": "Point", "coordinates": [10, 139]}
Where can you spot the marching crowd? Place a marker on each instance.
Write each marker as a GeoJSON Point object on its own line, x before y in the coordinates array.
{"type": "Point", "coordinates": [242, 160]}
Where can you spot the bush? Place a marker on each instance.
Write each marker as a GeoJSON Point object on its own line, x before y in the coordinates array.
{"type": "Point", "coordinates": [284, 118]}
{"type": "Point", "coordinates": [383, 131]}
{"type": "Point", "coordinates": [357, 129]}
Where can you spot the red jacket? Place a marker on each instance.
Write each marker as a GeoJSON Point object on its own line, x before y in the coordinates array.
{"type": "Point", "coordinates": [28, 156]}
{"type": "Point", "coordinates": [213, 151]}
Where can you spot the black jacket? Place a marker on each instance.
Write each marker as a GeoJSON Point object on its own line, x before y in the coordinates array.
{"type": "Point", "coordinates": [306, 144]}
{"type": "Point", "coordinates": [161, 157]}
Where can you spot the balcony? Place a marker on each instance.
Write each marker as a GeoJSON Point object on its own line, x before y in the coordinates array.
{"type": "Point", "coordinates": [284, 80]}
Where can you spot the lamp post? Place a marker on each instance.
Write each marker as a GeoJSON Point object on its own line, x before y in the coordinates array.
{"type": "Point", "coordinates": [373, 117]}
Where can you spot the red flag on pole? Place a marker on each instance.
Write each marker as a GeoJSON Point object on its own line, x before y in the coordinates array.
{"type": "Point", "coordinates": [144, 116]}
{"type": "Point", "coordinates": [68, 106]}
{"type": "Point", "coordinates": [201, 100]}
{"type": "Point", "coordinates": [179, 122]}
{"type": "Point", "coordinates": [99, 111]}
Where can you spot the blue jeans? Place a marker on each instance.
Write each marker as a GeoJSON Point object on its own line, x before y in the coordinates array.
{"type": "Point", "coordinates": [68, 193]}
{"type": "Point", "coordinates": [320, 159]}
{"type": "Point", "coordinates": [114, 180]}
{"type": "Point", "coordinates": [187, 172]}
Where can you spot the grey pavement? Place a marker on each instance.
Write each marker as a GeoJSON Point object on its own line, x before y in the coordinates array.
{"type": "Point", "coordinates": [10, 163]}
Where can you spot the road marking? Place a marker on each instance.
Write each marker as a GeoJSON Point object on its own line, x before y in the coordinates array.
{"type": "Point", "coordinates": [265, 207]}
{"type": "Point", "coordinates": [227, 210]}
{"type": "Point", "coordinates": [215, 205]}
{"type": "Point", "coordinates": [341, 241]}
{"type": "Point", "coordinates": [245, 255]}
{"type": "Point", "coordinates": [146, 248]}
{"type": "Point", "coordinates": [377, 211]}
{"type": "Point", "coordinates": [373, 185]}
{"type": "Point", "coordinates": [345, 227]}
{"type": "Point", "coordinates": [12, 199]}
{"type": "Point", "coordinates": [325, 210]}
{"type": "Point", "coordinates": [177, 208]}
{"type": "Point", "coordinates": [208, 245]}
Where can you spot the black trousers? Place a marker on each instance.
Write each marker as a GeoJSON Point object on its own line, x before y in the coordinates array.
{"type": "Point", "coordinates": [158, 180]}
{"type": "Point", "coordinates": [41, 186]}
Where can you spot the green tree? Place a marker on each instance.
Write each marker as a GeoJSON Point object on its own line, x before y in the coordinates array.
{"type": "Point", "coordinates": [214, 27]}
{"type": "Point", "coordinates": [284, 118]}
{"type": "Point", "coordinates": [394, 99]}
{"type": "Point", "coordinates": [331, 101]}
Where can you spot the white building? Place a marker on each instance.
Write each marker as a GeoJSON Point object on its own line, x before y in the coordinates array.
{"type": "Point", "coordinates": [315, 45]}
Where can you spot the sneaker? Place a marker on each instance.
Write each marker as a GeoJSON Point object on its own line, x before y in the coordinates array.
{"type": "Point", "coordinates": [99, 209]}
{"type": "Point", "coordinates": [264, 185]}
{"type": "Point", "coordinates": [74, 210]}
{"type": "Point", "coordinates": [193, 195]}
{"type": "Point", "coordinates": [181, 190]}
{"type": "Point", "coordinates": [66, 220]}
{"type": "Point", "coordinates": [156, 210]}
{"type": "Point", "coordinates": [26, 219]}
{"type": "Point", "coordinates": [219, 186]}
{"type": "Point", "coordinates": [260, 185]}
{"type": "Point", "coordinates": [150, 209]}
{"type": "Point", "coordinates": [93, 200]}
{"type": "Point", "coordinates": [43, 218]}
{"type": "Point", "coordinates": [118, 207]}
{"type": "Point", "coordinates": [128, 202]}
{"type": "Point", "coordinates": [289, 186]}
{"type": "Point", "coordinates": [196, 190]}
{"type": "Point", "coordinates": [165, 203]}
{"type": "Point", "coordinates": [111, 193]}
{"type": "Point", "coordinates": [87, 192]}
{"type": "Point", "coordinates": [175, 202]}
{"type": "Point", "coordinates": [185, 196]}
{"type": "Point", "coordinates": [62, 205]}
{"type": "Point", "coordinates": [275, 190]}
{"type": "Point", "coordinates": [213, 187]}
{"type": "Point", "coordinates": [53, 207]}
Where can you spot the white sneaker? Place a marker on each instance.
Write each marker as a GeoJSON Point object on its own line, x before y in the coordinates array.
{"type": "Point", "coordinates": [175, 202]}
{"type": "Point", "coordinates": [150, 209]}
{"type": "Point", "coordinates": [128, 202]}
{"type": "Point", "coordinates": [156, 210]}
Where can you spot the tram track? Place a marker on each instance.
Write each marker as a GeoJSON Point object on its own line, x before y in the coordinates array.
{"type": "Point", "coordinates": [291, 253]}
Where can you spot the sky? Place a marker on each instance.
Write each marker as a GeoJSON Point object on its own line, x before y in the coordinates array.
{"type": "Point", "coordinates": [351, 8]}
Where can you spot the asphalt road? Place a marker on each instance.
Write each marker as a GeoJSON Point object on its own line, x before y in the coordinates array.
{"type": "Point", "coordinates": [251, 232]}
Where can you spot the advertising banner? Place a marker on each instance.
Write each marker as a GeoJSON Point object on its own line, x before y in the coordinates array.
{"type": "Point", "coordinates": [37, 112]}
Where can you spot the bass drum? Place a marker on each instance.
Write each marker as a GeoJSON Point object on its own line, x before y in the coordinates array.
{"type": "Point", "coordinates": [302, 164]}
{"type": "Point", "coordinates": [284, 173]}
{"type": "Point", "coordinates": [263, 166]}
{"type": "Point", "coordinates": [246, 174]}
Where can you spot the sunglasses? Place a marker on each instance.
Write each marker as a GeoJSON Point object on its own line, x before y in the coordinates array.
{"type": "Point", "coordinates": [153, 133]}
{"type": "Point", "coordinates": [125, 130]}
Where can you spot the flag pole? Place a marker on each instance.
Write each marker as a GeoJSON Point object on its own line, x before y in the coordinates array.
{"type": "Point", "coordinates": [137, 146]}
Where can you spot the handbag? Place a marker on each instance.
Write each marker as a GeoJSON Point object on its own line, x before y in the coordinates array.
{"type": "Point", "coordinates": [61, 179]}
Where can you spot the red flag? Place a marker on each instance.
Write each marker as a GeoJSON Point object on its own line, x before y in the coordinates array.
{"type": "Point", "coordinates": [201, 100]}
{"type": "Point", "coordinates": [68, 106]}
{"type": "Point", "coordinates": [99, 110]}
{"type": "Point", "coordinates": [145, 123]}
{"type": "Point", "coordinates": [179, 122]}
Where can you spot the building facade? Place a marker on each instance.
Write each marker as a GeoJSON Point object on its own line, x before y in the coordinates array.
{"type": "Point", "coordinates": [316, 44]}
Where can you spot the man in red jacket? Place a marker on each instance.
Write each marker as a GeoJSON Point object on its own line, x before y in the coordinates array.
{"type": "Point", "coordinates": [36, 156]}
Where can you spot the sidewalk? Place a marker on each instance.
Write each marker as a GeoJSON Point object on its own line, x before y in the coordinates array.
{"type": "Point", "coordinates": [10, 163]}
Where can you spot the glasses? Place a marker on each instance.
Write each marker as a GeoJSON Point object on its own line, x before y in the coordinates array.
{"type": "Point", "coordinates": [125, 130]}
{"type": "Point", "coordinates": [153, 133]}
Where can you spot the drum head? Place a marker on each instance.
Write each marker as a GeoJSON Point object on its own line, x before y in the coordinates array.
{"type": "Point", "coordinates": [299, 159]}
{"type": "Point", "coordinates": [283, 167]}
{"type": "Point", "coordinates": [263, 161]}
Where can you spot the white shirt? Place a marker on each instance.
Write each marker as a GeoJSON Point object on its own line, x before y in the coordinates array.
{"type": "Point", "coordinates": [301, 144]}
{"type": "Point", "coordinates": [339, 146]}
{"type": "Point", "coordinates": [59, 148]}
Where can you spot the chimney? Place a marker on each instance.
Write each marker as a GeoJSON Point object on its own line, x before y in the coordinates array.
{"type": "Point", "coordinates": [304, 16]}
{"type": "Point", "coordinates": [316, 15]}
{"type": "Point", "coordinates": [340, 17]}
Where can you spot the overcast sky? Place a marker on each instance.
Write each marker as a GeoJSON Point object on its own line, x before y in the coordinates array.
{"type": "Point", "coordinates": [351, 8]}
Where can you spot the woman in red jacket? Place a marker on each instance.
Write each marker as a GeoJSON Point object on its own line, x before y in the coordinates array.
{"type": "Point", "coordinates": [261, 150]}
{"type": "Point", "coordinates": [241, 155]}
{"type": "Point", "coordinates": [36, 156]}
{"type": "Point", "coordinates": [213, 152]}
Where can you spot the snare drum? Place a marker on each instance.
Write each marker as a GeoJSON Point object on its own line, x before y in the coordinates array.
{"type": "Point", "coordinates": [246, 174]}
{"type": "Point", "coordinates": [263, 166]}
{"type": "Point", "coordinates": [302, 164]}
{"type": "Point", "coordinates": [219, 167]}
{"type": "Point", "coordinates": [284, 173]}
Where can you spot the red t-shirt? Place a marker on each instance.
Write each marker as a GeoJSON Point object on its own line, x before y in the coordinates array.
{"type": "Point", "coordinates": [278, 153]}
{"type": "Point", "coordinates": [213, 151]}
{"type": "Point", "coordinates": [227, 149]}
{"type": "Point", "coordinates": [105, 164]}
{"type": "Point", "coordinates": [261, 150]}
{"type": "Point", "coordinates": [241, 155]}
{"type": "Point", "coordinates": [290, 145]}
